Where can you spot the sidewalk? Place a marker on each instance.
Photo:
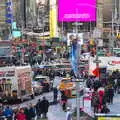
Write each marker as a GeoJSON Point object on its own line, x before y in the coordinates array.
{"type": "Point", "coordinates": [115, 107]}
{"type": "Point", "coordinates": [56, 112]}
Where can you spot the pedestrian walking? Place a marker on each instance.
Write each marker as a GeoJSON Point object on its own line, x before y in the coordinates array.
{"type": "Point", "coordinates": [64, 101]}
{"type": "Point", "coordinates": [21, 115]}
{"type": "Point", "coordinates": [44, 107]}
{"type": "Point", "coordinates": [26, 111]}
{"type": "Point", "coordinates": [32, 113]}
{"type": "Point", "coordinates": [111, 94]}
{"type": "Point", "coordinates": [55, 94]}
{"type": "Point", "coordinates": [8, 113]}
{"type": "Point", "coordinates": [101, 93]}
{"type": "Point", "coordinates": [68, 114]}
{"type": "Point", "coordinates": [115, 86]}
{"type": "Point", "coordinates": [95, 101]}
{"type": "Point", "coordinates": [105, 109]}
{"type": "Point", "coordinates": [38, 109]}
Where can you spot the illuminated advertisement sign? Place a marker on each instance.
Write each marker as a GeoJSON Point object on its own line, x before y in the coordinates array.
{"type": "Point", "coordinates": [77, 10]}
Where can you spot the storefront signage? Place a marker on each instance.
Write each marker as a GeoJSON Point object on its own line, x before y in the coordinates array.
{"type": "Point", "coordinates": [114, 63]}
{"type": "Point", "coordinates": [7, 73]}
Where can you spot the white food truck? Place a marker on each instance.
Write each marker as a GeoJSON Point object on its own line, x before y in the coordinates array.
{"type": "Point", "coordinates": [15, 82]}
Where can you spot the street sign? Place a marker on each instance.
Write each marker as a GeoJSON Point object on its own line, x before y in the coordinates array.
{"type": "Point", "coordinates": [78, 80]}
{"type": "Point", "coordinates": [8, 21]}
{"type": "Point", "coordinates": [9, 14]}
{"type": "Point", "coordinates": [97, 61]}
{"type": "Point", "coordinates": [8, 3]}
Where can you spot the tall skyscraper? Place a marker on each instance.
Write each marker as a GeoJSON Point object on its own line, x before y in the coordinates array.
{"type": "Point", "coordinates": [4, 27]}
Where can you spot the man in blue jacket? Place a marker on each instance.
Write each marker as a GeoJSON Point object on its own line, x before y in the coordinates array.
{"type": "Point", "coordinates": [8, 113]}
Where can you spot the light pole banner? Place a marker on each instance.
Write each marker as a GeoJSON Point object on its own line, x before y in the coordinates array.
{"type": "Point", "coordinates": [53, 19]}
{"type": "Point", "coordinates": [78, 36]}
{"type": "Point", "coordinates": [77, 10]}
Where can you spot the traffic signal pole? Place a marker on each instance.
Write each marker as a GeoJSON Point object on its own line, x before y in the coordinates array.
{"type": "Point", "coordinates": [77, 83]}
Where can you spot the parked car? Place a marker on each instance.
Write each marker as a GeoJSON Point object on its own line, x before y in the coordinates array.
{"type": "Point", "coordinates": [37, 88]}
{"type": "Point", "coordinates": [44, 83]}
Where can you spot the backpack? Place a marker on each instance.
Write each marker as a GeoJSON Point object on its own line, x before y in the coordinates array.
{"type": "Point", "coordinates": [105, 109]}
{"type": "Point", "coordinates": [32, 112]}
{"type": "Point", "coordinates": [95, 100]}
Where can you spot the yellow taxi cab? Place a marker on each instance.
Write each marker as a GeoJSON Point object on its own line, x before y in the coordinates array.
{"type": "Point", "coordinates": [68, 87]}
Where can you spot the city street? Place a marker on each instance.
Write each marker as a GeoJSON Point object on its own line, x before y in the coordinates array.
{"type": "Point", "coordinates": [56, 112]}
{"type": "Point", "coordinates": [60, 59]}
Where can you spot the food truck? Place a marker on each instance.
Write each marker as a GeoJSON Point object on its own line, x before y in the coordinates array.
{"type": "Point", "coordinates": [15, 82]}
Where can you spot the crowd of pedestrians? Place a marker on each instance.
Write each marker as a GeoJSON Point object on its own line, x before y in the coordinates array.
{"type": "Point", "coordinates": [30, 112]}
{"type": "Point", "coordinates": [103, 91]}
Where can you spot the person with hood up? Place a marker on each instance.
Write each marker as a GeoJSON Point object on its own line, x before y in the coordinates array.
{"type": "Point", "coordinates": [8, 113]}
{"type": "Point", "coordinates": [68, 114]}
{"type": "Point", "coordinates": [38, 109]}
{"type": "Point", "coordinates": [44, 107]}
{"type": "Point", "coordinates": [21, 115]}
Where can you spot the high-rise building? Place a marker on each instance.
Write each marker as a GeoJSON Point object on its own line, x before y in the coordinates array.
{"type": "Point", "coordinates": [5, 27]}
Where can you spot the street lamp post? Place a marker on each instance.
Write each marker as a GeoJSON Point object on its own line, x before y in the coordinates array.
{"type": "Point", "coordinates": [97, 33]}
{"type": "Point", "coordinates": [43, 32]}
{"type": "Point", "coordinates": [77, 81]}
{"type": "Point", "coordinates": [78, 100]}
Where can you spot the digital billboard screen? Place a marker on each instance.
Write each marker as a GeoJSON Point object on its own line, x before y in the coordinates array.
{"type": "Point", "coordinates": [76, 10]}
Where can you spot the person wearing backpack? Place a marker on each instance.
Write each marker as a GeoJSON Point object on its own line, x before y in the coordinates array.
{"type": "Point", "coordinates": [44, 107]}
{"type": "Point", "coordinates": [105, 109]}
{"type": "Point", "coordinates": [32, 113]}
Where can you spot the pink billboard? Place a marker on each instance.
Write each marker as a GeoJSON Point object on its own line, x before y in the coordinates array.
{"type": "Point", "coordinates": [76, 10]}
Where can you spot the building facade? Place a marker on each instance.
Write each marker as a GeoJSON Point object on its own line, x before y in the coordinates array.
{"type": "Point", "coordinates": [5, 27]}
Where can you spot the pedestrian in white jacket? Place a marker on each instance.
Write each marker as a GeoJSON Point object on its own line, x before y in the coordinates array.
{"type": "Point", "coordinates": [68, 114]}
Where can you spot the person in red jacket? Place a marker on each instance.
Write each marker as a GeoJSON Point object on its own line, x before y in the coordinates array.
{"type": "Point", "coordinates": [20, 115]}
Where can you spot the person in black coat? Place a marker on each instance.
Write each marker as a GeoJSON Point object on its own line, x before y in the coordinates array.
{"type": "Point", "coordinates": [55, 94]}
{"type": "Point", "coordinates": [38, 108]}
{"type": "Point", "coordinates": [64, 101]}
{"type": "Point", "coordinates": [105, 109]}
{"type": "Point", "coordinates": [44, 107]}
{"type": "Point", "coordinates": [111, 94]}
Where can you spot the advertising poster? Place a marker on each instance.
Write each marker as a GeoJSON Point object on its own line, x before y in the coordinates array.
{"type": "Point", "coordinates": [53, 19]}
{"type": "Point", "coordinates": [78, 36]}
{"type": "Point", "coordinates": [77, 10]}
